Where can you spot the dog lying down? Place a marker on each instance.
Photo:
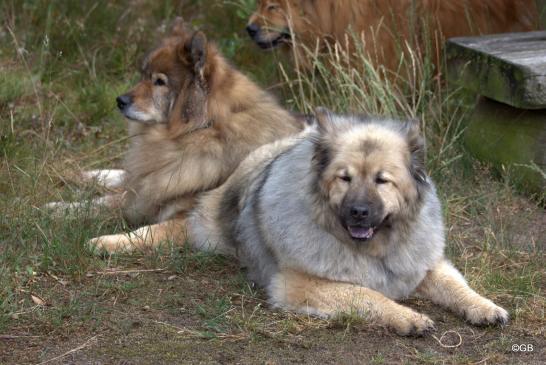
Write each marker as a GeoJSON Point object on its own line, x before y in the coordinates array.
{"type": "Point", "coordinates": [192, 118]}
{"type": "Point", "coordinates": [340, 218]}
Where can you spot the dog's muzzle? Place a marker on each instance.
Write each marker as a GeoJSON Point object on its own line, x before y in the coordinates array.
{"type": "Point", "coordinates": [254, 31]}
{"type": "Point", "coordinates": [124, 101]}
{"type": "Point", "coordinates": [362, 221]}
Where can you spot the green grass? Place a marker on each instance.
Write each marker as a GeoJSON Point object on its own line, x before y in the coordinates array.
{"type": "Point", "coordinates": [61, 66]}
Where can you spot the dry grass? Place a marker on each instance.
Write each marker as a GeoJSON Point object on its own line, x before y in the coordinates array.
{"type": "Point", "coordinates": [60, 69]}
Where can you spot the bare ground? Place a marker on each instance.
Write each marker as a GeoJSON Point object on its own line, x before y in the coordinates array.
{"type": "Point", "coordinates": [211, 316]}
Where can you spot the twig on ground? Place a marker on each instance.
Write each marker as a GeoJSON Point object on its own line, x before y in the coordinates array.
{"type": "Point", "coordinates": [200, 334]}
{"type": "Point", "coordinates": [12, 337]}
{"type": "Point", "coordinates": [483, 361]}
{"type": "Point", "coordinates": [76, 349]}
{"type": "Point", "coordinates": [116, 272]}
{"type": "Point", "coordinates": [439, 340]}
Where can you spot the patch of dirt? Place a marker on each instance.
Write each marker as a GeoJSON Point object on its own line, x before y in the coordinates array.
{"type": "Point", "coordinates": [211, 317]}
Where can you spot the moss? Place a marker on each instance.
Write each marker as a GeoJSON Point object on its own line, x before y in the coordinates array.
{"type": "Point", "coordinates": [541, 5]}
{"type": "Point", "coordinates": [510, 139]}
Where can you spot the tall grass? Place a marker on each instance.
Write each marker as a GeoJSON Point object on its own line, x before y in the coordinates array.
{"type": "Point", "coordinates": [62, 63]}
{"type": "Point", "coordinates": [349, 81]}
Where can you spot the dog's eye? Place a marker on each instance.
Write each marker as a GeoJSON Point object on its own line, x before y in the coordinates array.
{"type": "Point", "coordinates": [380, 180]}
{"type": "Point", "coordinates": [346, 178]}
{"type": "Point", "coordinates": [272, 7]}
{"type": "Point", "coordinates": [159, 82]}
{"type": "Point", "coordinates": [159, 79]}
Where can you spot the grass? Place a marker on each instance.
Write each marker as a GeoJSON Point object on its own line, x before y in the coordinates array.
{"type": "Point", "coordinates": [61, 66]}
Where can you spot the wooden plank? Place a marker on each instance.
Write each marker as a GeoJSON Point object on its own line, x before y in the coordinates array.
{"type": "Point", "coordinates": [510, 67]}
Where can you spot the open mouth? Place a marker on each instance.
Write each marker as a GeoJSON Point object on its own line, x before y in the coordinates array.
{"type": "Point", "coordinates": [363, 233]}
{"type": "Point", "coordinates": [282, 38]}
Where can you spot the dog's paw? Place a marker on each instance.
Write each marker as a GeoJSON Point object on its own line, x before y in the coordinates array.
{"type": "Point", "coordinates": [59, 210]}
{"type": "Point", "coordinates": [413, 324]}
{"type": "Point", "coordinates": [109, 244]}
{"type": "Point", "coordinates": [108, 178]}
{"type": "Point", "coordinates": [486, 312]}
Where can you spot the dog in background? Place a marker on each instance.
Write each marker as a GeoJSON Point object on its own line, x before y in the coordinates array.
{"type": "Point", "coordinates": [343, 218]}
{"type": "Point", "coordinates": [192, 119]}
{"type": "Point", "coordinates": [384, 26]}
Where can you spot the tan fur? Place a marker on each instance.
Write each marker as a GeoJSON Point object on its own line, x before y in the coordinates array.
{"type": "Point", "coordinates": [176, 160]}
{"type": "Point", "coordinates": [387, 157]}
{"type": "Point", "coordinates": [386, 25]}
{"type": "Point", "coordinates": [142, 239]}
{"type": "Point", "coordinates": [445, 286]}
{"type": "Point", "coordinates": [307, 294]}
{"type": "Point", "coordinates": [192, 119]}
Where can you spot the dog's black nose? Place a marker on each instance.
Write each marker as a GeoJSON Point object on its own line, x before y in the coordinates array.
{"type": "Point", "coordinates": [123, 101]}
{"type": "Point", "coordinates": [360, 211]}
{"type": "Point", "coordinates": [252, 29]}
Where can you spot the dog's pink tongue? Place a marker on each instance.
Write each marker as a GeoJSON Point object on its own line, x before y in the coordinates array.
{"type": "Point", "coordinates": [361, 232]}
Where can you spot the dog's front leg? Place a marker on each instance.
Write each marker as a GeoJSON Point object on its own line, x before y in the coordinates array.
{"type": "Point", "coordinates": [144, 238]}
{"type": "Point", "coordinates": [444, 285]}
{"type": "Point", "coordinates": [308, 294]}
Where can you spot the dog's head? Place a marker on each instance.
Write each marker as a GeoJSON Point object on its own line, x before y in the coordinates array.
{"type": "Point", "coordinates": [175, 79]}
{"type": "Point", "coordinates": [370, 172]}
{"type": "Point", "coordinates": [269, 25]}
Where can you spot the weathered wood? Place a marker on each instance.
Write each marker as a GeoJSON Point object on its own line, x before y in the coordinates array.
{"type": "Point", "coordinates": [510, 68]}
{"type": "Point", "coordinates": [512, 140]}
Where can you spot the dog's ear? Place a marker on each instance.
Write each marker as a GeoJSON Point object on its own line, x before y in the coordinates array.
{"type": "Point", "coordinates": [198, 54]}
{"type": "Point", "coordinates": [178, 27]}
{"type": "Point", "coordinates": [193, 52]}
{"type": "Point", "coordinates": [325, 122]}
{"type": "Point", "coordinates": [416, 144]}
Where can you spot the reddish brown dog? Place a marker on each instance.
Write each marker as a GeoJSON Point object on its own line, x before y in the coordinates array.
{"type": "Point", "coordinates": [386, 27]}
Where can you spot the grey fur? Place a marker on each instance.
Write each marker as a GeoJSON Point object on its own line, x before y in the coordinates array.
{"type": "Point", "coordinates": [274, 225]}
{"type": "Point", "coordinates": [302, 215]}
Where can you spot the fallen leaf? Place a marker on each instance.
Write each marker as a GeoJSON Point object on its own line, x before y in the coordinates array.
{"type": "Point", "coordinates": [37, 300]}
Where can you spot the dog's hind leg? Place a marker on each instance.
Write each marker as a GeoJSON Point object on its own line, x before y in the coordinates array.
{"type": "Point", "coordinates": [444, 285]}
{"type": "Point", "coordinates": [143, 238]}
{"type": "Point", "coordinates": [308, 294]}
{"type": "Point", "coordinates": [64, 209]}
{"type": "Point", "coordinates": [107, 178]}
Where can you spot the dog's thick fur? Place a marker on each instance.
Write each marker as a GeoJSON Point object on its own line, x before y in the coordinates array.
{"type": "Point", "coordinates": [383, 25]}
{"type": "Point", "coordinates": [340, 219]}
{"type": "Point", "coordinates": [192, 119]}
